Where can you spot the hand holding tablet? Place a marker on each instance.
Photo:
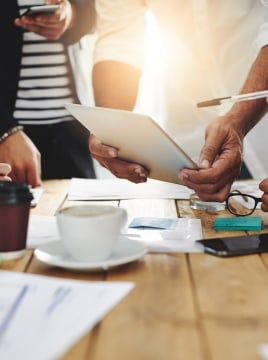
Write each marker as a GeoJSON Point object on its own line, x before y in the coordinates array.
{"type": "Point", "coordinates": [139, 139]}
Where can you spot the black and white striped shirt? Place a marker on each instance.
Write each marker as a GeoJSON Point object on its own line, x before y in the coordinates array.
{"type": "Point", "coordinates": [44, 84]}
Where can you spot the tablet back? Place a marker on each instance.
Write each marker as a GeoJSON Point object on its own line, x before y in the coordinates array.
{"type": "Point", "coordinates": [138, 137]}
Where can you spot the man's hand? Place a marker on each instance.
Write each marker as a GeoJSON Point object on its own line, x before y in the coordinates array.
{"type": "Point", "coordinates": [264, 187]}
{"type": "Point", "coordinates": [107, 156]}
{"type": "Point", "coordinates": [51, 26]}
{"type": "Point", "coordinates": [219, 164]}
{"type": "Point", "coordinates": [24, 158]}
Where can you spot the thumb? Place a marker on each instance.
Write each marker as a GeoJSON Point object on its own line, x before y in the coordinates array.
{"type": "Point", "coordinates": [209, 151]}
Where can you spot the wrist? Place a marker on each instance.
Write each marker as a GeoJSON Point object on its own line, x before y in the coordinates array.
{"type": "Point", "coordinates": [244, 116]}
{"type": "Point", "coordinates": [10, 131]}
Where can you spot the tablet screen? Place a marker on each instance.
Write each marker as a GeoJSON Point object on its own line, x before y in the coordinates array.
{"type": "Point", "coordinates": [138, 138]}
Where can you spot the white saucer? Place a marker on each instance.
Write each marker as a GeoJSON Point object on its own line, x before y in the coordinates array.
{"type": "Point", "coordinates": [53, 253]}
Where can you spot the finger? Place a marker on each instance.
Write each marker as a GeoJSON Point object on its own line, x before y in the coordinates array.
{"type": "Point", "coordinates": [212, 178]}
{"type": "Point", "coordinates": [18, 174]}
{"type": "Point", "coordinates": [33, 171]}
{"type": "Point", "coordinates": [98, 149]}
{"type": "Point", "coordinates": [264, 185]}
{"type": "Point", "coordinates": [264, 207]}
{"type": "Point", "coordinates": [4, 169]}
{"type": "Point", "coordinates": [210, 186]}
{"type": "Point", "coordinates": [210, 150]}
{"type": "Point", "coordinates": [5, 178]}
{"type": "Point", "coordinates": [211, 192]}
{"type": "Point", "coordinates": [107, 157]}
{"type": "Point", "coordinates": [49, 31]}
{"type": "Point", "coordinates": [219, 196]}
{"type": "Point", "coordinates": [125, 170]}
{"type": "Point", "coordinates": [33, 177]}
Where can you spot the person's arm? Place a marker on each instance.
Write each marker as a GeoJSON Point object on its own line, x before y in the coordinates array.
{"type": "Point", "coordinates": [23, 156]}
{"type": "Point", "coordinates": [221, 156]}
{"type": "Point", "coordinates": [245, 115]}
{"type": "Point", "coordinates": [16, 148]}
{"type": "Point", "coordinates": [84, 21]}
{"type": "Point", "coordinates": [115, 84]}
{"type": "Point", "coordinates": [116, 73]}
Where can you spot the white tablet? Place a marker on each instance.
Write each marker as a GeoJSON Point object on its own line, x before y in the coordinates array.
{"type": "Point", "coordinates": [138, 138]}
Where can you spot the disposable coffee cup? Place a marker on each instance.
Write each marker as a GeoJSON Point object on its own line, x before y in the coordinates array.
{"type": "Point", "coordinates": [15, 202]}
{"type": "Point", "coordinates": [90, 233]}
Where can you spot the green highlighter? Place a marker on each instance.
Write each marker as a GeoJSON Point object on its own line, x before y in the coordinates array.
{"type": "Point", "coordinates": [238, 223]}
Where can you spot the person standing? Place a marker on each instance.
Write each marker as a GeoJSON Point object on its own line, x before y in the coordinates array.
{"type": "Point", "coordinates": [209, 49]}
{"type": "Point", "coordinates": [37, 78]}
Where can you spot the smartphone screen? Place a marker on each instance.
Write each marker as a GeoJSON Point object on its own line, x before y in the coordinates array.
{"type": "Point", "coordinates": [39, 9]}
{"type": "Point", "coordinates": [236, 245]}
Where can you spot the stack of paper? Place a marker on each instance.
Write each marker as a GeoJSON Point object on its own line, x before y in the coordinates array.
{"type": "Point", "coordinates": [116, 189]}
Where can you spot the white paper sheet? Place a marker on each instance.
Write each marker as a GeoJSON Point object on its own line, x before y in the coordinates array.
{"type": "Point", "coordinates": [42, 317]}
{"type": "Point", "coordinates": [41, 229]}
{"type": "Point", "coordinates": [116, 189]}
{"type": "Point", "coordinates": [37, 193]}
{"type": "Point", "coordinates": [182, 239]}
{"type": "Point", "coordinates": [250, 187]}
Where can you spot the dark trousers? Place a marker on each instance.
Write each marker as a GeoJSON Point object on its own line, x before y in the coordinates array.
{"type": "Point", "coordinates": [64, 150]}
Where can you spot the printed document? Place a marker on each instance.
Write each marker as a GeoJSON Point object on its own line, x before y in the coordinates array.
{"type": "Point", "coordinates": [42, 317]}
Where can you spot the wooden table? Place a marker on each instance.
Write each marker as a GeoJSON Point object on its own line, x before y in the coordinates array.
{"type": "Point", "coordinates": [184, 306]}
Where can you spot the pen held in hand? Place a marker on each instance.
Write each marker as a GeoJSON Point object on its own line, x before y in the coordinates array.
{"type": "Point", "coordinates": [235, 98]}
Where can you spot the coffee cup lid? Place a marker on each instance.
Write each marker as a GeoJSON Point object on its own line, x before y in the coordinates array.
{"type": "Point", "coordinates": [12, 192]}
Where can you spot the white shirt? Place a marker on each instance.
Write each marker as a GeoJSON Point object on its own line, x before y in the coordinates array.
{"type": "Point", "coordinates": [208, 48]}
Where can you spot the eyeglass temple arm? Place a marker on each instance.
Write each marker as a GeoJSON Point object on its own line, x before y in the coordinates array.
{"type": "Point", "coordinates": [258, 199]}
{"type": "Point", "coordinates": [244, 196]}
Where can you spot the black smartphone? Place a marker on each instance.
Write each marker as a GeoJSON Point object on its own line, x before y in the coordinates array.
{"type": "Point", "coordinates": [40, 9]}
{"type": "Point", "coordinates": [235, 245]}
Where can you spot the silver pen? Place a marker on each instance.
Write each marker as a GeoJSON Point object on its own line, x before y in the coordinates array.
{"type": "Point", "coordinates": [235, 98]}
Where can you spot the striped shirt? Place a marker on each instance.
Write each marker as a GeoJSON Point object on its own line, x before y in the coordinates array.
{"type": "Point", "coordinates": [44, 84]}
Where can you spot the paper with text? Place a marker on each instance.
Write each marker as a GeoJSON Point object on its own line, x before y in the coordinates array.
{"type": "Point", "coordinates": [42, 317]}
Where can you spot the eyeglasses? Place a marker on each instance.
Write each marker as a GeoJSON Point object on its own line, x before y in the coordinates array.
{"type": "Point", "coordinates": [241, 204]}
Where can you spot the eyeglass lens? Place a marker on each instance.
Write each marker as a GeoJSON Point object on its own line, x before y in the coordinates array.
{"type": "Point", "coordinates": [240, 204]}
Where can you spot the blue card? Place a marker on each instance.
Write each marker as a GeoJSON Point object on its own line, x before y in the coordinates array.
{"type": "Point", "coordinates": [238, 223]}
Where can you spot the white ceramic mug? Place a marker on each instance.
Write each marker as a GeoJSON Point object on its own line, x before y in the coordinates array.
{"type": "Point", "coordinates": [90, 232]}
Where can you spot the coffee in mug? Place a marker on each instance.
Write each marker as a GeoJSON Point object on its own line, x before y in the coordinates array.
{"type": "Point", "coordinates": [90, 232]}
